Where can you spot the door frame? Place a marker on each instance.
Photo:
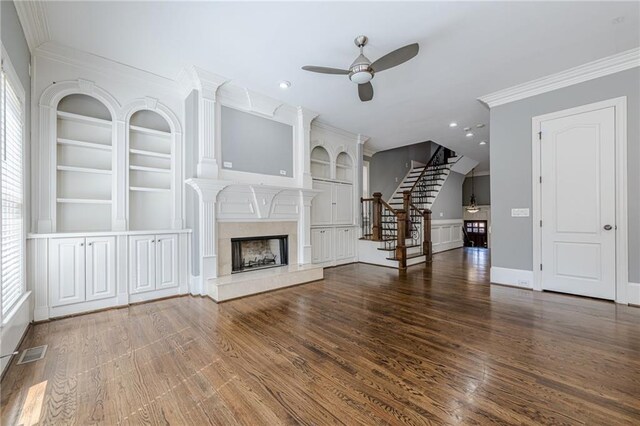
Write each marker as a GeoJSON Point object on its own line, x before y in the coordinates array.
{"type": "Point", "coordinates": [622, 254]}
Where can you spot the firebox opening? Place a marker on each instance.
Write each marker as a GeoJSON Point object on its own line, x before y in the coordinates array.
{"type": "Point", "coordinates": [253, 253]}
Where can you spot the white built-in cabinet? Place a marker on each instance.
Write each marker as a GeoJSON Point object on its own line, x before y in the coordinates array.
{"type": "Point", "coordinates": [333, 229]}
{"type": "Point", "coordinates": [108, 225]}
{"type": "Point", "coordinates": [81, 270]}
{"type": "Point", "coordinates": [153, 261]}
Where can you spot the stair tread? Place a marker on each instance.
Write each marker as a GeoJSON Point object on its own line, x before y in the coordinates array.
{"type": "Point", "coordinates": [409, 256]}
{"type": "Point", "coordinates": [392, 249]}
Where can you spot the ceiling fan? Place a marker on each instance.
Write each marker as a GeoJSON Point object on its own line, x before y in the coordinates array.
{"type": "Point", "coordinates": [362, 69]}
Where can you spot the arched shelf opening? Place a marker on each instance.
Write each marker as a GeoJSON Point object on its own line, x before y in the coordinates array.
{"type": "Point", "coordinates": [320, 163]}
{"type": "Point", "coordinates": [84, 164]}
{"type": "Point", "coordinates": [344, 167]}
{"type": "Point", "coordinates": [150, 171]}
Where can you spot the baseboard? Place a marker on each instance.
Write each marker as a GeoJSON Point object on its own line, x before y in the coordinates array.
{"type": "Point", "coordinates": [512, 277]}
{"type": "Point", "coordinates": [447, 246]}
{"type": "Point", "coordinates": [14, 327]}
{"type": "Point", "coordinates": [633, 293]}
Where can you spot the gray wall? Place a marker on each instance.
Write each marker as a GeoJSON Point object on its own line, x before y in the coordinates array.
{"type": "Point", "coordinates": [389, 167]}
{"type": "Point", "coordinates": [255, 144]}
{"type": "Point", "coordinates": [482, 190]}
{"type": "Point", "coordinates": [16, 46]}
{"type": "Point", "coordinates": [447, 203]}
{"type": "Point", "coordinates": [511, 164]}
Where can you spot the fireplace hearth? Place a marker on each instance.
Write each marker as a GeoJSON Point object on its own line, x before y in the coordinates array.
{"type": "Point", "coordinates": [253, 253]}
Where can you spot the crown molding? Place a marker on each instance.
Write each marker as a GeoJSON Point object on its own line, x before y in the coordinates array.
{"type": "Point", "coordinates": [602, 67]}
{"type": "Point", "coordinates": [33, 19]}
{"type": "Point", "coordinates": [71, 56]}
{"type": "Point", "coordinates": [329, 128]}
{"type": "Point", "coordinates": [196, 78]}
{"type": "Point", "coordinates": [368, 152]}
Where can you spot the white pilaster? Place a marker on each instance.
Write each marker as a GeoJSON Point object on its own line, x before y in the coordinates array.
{"type": "Point", "coordinates": [304, 119]}
{"type": "Point", "coordinates": [304, 225]}
{"type": "Point", "coordinates": [119, 178]}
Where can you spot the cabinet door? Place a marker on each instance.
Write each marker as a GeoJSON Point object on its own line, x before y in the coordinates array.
{"type": "Point", "coordinates": [321, 205]}
{"type": "Point", "coordinates": [343, 203]}
{"type": "Point", "coordinates": [101, 267]}
{"type": "Point", "coordinates": [327, 245]}
{"type": "Point", "coordinates": [350, 242]}
{"type": "Point", "coordinates": [316, 245]}
{"type": "Point", "coordinates": [142, 263]}
{"type": "Point", "coordinates": [340, 241]}
{"type": "Point", "coordinates": [166, 260]}
{"type": "Point", "coordinates": [66, 271]}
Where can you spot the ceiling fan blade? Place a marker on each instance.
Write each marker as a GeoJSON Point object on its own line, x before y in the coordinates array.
{"type": "Point", "coordinates": [325, 70]}
{"type": "Point", "coordinates": [396, 57]}
{"type": "Point", "coordinates": [365, 91]}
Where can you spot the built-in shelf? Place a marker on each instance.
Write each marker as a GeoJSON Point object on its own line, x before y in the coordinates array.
{"type": "Point", "coordinates": [83, 170]}
{"type": "Point", "coordinates": [82, 201]}
{"type": "Point", "coordinates": [84, 119]}
{"type": "Point", "coordinates": [148, 131]}
{"type": "Point", "coordinates": [326, 163]}
{"type": "Point", "coordinates": [83, 144]}
{"type": "Point", "coordinates": [149, 169]}
{"type": "Point", "coordinates": [149, 153]}
{"type": "Point", "coordinates": [343, 166]}
{"type": "Point", "coordinates": [148, 189]}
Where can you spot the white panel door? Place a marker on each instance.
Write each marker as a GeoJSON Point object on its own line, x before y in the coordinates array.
{"type": "Point", "coordinates": [327, 245]}
{"type": "Point", "coordinates": [100, 267]}
{"type": "Point", "coordinates": [350, 242]}
{"type": "Point", "coordinates": [66, 271]}
{"type": "Point", "coordinates": [343, 204]}
{"type": "Point", "coordinates": [166, 261]}
{"type": "Point", "coordinates": [340, 238]}
{"type": "Point", "coordinates": [322, 204]}
{"type": "Point", "coordinates": [578, 204]}
{"type": "Point", "coordinates": [142, 263]}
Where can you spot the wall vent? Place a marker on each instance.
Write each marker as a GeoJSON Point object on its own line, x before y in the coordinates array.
{"type": "Point", "coordinates": [32, 354]}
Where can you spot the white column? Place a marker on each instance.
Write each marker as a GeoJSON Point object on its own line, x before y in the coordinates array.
{"type": "Point", "coordinates": [359, 162]}
{"type": "Point", "coordinates": [304, 225]}
{"type": "Point", "coordinates": [46, 178]}
{"type": "Point", "coordinates": [119, 189]}
{"type": "Point", "coordinates": [303, 141]}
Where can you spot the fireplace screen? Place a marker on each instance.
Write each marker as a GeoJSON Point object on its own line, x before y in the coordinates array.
{"type": "Point", "coordinates": [249, 254]}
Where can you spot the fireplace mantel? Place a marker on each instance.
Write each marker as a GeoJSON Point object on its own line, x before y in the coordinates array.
{"type": "Point", "coordinates": [221, 201]}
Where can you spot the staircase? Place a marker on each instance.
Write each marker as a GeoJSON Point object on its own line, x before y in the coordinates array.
{"type": "Point", "coordinates": [397, 233]}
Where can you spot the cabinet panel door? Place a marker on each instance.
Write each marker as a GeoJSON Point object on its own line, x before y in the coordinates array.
{"type": "Point", "coordinates": [327, 245]}
{"type": "Point", "coordinates": [340, 242]}
{"type": "Point", "coordinates": [166, 260]}
{"type": "Point", "coordinates": [343, 203]}
{"type": "Point", "coordinates": [316, 245]}
{"type": "Point", "coordinates": [66, 271]}
{"type": "Point", "coordinates": [322, 204]}
{"type": "Point", "coordinates": [350, 242]}
{"type": "Point", "coordinates": [142, 263]}
{"type": "Point", "coordinates": [101, 267]}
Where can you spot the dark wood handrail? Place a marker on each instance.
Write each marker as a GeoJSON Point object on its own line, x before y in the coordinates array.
{"type": "Point", "coordinates": [391, 209]}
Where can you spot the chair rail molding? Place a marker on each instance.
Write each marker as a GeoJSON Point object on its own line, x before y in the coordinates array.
{"type": "Point", "coordinates": [599, 68]}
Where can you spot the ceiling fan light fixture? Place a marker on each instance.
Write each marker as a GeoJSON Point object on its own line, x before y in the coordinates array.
{"type": "Point", "coordinates": [361, 77]}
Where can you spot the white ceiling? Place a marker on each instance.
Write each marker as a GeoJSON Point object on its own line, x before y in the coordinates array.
{"type": "Point", "coordinates": [467, 50]}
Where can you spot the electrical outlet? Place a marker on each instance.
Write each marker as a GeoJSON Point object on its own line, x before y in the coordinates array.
{"type": "Point", "coordinates": [441, 214]}
{"type": "Point", "coordinates": [283, 172]}
{"type": "Point", "coordinates": [406, 165]}
{"type": "Point", "coordinates": [519, 212]}
{"type": "Point", "coordinates": [228, 164]}
{"type": "Point", "coordinates": [396, 180]}
{"type": "Point", "coordinates": [523, 283]}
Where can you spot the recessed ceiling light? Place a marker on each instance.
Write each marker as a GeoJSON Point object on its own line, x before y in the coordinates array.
{"type": "Point", "coordinates": [480, 126]}
{"type": "Point", "coordinates": [470, 134]}
{"type": "Point", "coordinates": [483, 142]}
{"type": "Point", "coordinates": [453, 124]}
{"type": "Point", "coordinates": [285, 84]}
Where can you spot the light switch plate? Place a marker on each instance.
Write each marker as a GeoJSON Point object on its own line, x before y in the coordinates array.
{"type": "Point", "coordinates": [283, 172]}
{"type": "Point", "coordinates": [228, 164]}
{"type": "Point", "coordinates": [519, 212]}
{"type": "Point", "coordinates": [441, 214]}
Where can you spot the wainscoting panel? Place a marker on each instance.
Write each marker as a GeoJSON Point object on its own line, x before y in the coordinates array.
{"type": "Point", "coordinates": [446, 234]}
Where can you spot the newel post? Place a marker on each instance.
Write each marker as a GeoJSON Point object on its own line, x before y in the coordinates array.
{"type": "Point", "coordinates": [401, 248]}
{"type": "Point", "coordinates": [426, 243]}
{"type": "Point", "coordinates": [377, 217]}
{"type": "Point", "coordinates": [406, 205]}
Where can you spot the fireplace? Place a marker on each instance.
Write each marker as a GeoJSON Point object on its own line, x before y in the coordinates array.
{"type": "Point", "coordinates": [253, 253]}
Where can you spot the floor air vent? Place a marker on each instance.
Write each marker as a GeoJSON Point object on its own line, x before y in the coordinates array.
{"type": "Point", "coordinates": [32, 354]}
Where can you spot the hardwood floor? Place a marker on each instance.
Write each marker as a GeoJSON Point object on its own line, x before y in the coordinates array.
{"type": "Point", "coordinates": [367, 345]}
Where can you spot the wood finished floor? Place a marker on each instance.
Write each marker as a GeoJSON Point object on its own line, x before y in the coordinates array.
{"type": "Point", "coordinates": [365, 346]}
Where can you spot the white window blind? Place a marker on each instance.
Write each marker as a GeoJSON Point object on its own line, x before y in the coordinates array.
{"type": "Point", "coordinates": [11, 194]}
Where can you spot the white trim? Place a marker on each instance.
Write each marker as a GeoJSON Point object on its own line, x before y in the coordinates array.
{"type": "Point", "coordinates": [602, 67]}
{"type": "Point", "coordinates": [513, 277]}
{"type": "Point", "coordinates": [477, 174]}
{"type": "Point", "coordinates": [622, 254]}
{"type": "Point", "coordinates": [33, 18]}
{"type": "Point", "coordinates": [633, 293]}
{"type": "Point", "coordinates": [320, 124]}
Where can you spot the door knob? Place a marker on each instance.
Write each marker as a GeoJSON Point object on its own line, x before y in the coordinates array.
{"type": "Point", "coordinates": [608, 227]}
